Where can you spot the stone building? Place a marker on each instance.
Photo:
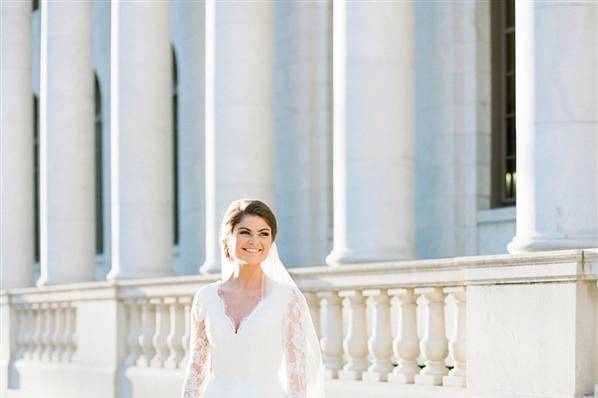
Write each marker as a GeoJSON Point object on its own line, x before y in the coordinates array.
{"type": "Point", "coordinates": [420, 156]}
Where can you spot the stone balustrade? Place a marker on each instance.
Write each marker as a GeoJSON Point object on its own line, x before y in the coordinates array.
{"type": "Point", "coordinates": [46, 332]}
{"type": "Point", "coordinates": [460, 327]}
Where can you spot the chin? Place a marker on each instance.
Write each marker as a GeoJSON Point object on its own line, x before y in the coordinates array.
{"type": "Point", "coordinates": [250, 261]}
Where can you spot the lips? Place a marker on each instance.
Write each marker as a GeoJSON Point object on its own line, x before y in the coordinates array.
{"type": "Point", "coordinates": [252, 251]}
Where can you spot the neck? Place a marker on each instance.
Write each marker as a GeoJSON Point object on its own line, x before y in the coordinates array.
{"type": "Point", "coordinates": [248, 276]}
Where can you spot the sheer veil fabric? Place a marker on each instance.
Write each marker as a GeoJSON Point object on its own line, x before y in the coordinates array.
{"type": "Point", "coordinates": [282, 311]}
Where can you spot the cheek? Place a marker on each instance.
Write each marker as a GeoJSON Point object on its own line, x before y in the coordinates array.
{"type": "Point", "coordinates": [267, 245]}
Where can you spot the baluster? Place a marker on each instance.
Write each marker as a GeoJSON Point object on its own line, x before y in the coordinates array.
{"type": "Point", "coordinates": [70, 327]}
{"type": "Point", "coordinates": [458, 345]}
{"type": "Point", "coordinates": [145, 338]}
{"type": "Point", "coordinates": [134, 330]}
{"type": "Point", "coordinates": [40, 331]}
{"type": "Point", "coordinates": [434, 345]}
{"type": "Point", "coordinates": [332, 343]}
{"type": "Point", "coordinates": [28, 332]}
{"type": "Point", "coordinates": [48, 331]}
{"type": "Point", "coordinates": [314, 309]}
{"type": "Point", "coordinates": [61, 341]}
{"type": "Point", "coordinates": [406, 344]}
{"type": "Point", "coordinates": [177, 326]}
{"type": "Point", "coordinates": [380, 343]}
{"type": "Point", "coordinates": [161, 333]}
{"type": "Point", "coordinates": [356, 341]}
{"type": "Point", "coordinates": [20, 328]}
{"type": "Point", "coordinates": [186, 302]}
{"type": "Point", "coordinates": [55, 338]}
{"type": "Point", "coordinates": [75, 339]}
{"type": "Point", "coordinates": [37, 332]}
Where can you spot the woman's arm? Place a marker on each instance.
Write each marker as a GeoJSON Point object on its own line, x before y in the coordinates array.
{"type": "Point", "coordinates": [295, 349]}
{"type": "Point", "coordinates": [198, 368]}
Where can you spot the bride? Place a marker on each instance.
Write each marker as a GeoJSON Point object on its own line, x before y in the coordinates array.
{"type": "Point", "coordinates": [251, 332]}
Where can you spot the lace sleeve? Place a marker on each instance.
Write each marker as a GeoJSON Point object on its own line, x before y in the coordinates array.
{"type": "Point", "coordinates": [198, 368]}
{"type": "Point", "coordinates": [295, 349]}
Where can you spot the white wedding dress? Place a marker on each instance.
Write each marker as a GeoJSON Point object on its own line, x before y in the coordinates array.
{"type": "Point", "coordinates": [264, 358]}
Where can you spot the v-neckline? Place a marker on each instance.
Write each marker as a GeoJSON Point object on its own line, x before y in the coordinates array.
{"type": "Point", "coordinates": [224, 305]}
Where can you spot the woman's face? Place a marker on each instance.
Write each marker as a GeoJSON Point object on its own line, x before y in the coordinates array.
{"type": "Point", "coordinates": [250, 240]}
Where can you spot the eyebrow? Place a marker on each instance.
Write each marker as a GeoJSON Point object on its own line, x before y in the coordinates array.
{"type": "Point", "coordinates": [263, 229]}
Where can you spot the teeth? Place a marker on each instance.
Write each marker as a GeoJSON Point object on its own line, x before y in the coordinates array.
{"type": "Point", "coordinates": [252, 250]}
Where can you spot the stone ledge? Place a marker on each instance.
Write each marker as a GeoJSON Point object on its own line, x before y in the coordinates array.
{"type": "Point", "coordinates": [557, 266]}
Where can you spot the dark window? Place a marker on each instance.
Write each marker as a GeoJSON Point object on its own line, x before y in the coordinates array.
{"type": "Point", "coordinates": [504, 172]}
{"type": "Point", "coordinates": [98, 167]}
{"type": "Point", "coordinates": [175, 143]}
{"type": "Point", "coordinates": [36, 176]}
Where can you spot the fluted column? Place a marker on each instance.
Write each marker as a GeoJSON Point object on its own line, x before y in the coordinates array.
{"type": "Point", "coordinates": [141, 139]}
{"type": "Point", "coordinates": [67, 145]}
{"type": "Point", "coordinates": [373, 165]}
{"type": "Point", "coordinates": [304, 114]}
{"type": "Point", "coordinates": [240, 147]}
{"type": "Point", "coordinates": [16, 146]}
{"type": "Point", "coordinates": [557, 121]}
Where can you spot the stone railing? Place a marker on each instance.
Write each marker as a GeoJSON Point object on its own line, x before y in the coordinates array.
{"type": "Point", "coordinates": [462, 327]}
{"type": "Point", "coordinates": [158, 324]}
{"type": "Point", "coordinates": [45, 331]}
{"type": "Point", "coordinates": [158, 331]}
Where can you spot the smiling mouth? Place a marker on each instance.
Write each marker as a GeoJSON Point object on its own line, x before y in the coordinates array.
{"type": "Point", "coordinates": [252, 251]}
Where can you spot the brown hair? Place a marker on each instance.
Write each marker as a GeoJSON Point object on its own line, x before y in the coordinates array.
{"type": "Point", "coordinates": [235, 213]}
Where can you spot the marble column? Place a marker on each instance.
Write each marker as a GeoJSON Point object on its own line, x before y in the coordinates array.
{"type": "Point", "coordinates": [373, 167]}
{"type": "Point", "coordinates": [67, 147]}
{"type": "Point", "coordinates": [240, 146]}
{"type": "Point", "coordinates": [16, 146]}
{"type": "Point", "coordinates": [557, 125]}
{"type": "Point", "coordinates": [303, 103]}
{"type": "Point", "coordinates": [141, 140]}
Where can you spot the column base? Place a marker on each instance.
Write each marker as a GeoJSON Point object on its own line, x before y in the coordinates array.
{"type": "Point", "coordinates": [548, 242]}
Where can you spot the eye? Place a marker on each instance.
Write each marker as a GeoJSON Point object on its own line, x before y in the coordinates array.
{"type": "Point", "coordinates": [265, 234]}
{"type": "Point", "coordinates": [244, 232]}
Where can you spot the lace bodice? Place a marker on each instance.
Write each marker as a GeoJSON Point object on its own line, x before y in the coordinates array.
{"type": "Point", "coordinates": [265, 357]}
